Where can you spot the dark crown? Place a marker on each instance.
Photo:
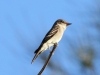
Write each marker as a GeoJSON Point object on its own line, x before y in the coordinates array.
{"type": "Point", "coordinates": [62, 21]}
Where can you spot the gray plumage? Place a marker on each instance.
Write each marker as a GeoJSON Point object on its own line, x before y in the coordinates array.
{"type": "Point", "coordinates": [53, 36]}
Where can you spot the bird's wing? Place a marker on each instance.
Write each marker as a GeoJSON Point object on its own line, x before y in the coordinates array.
{"type": "Point", "coordinates": [51, 33]}
{"type": "Point", "coordinates": [48, 36]}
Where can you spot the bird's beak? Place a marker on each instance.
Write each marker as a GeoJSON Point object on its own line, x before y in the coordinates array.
{"type": "Point", "coordinates": [69, 23]}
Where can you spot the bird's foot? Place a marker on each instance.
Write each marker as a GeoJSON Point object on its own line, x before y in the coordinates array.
{"type": "Point", "coordinates": [56, 44]}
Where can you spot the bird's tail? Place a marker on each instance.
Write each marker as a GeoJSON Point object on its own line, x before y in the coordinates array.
{"type": "Point", "coordinates": [36, 51]}
{"type": "Point", "coordinates": [36, 55]}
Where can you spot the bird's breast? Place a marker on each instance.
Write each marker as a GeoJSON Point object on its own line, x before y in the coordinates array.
{"type": "Point", "coordinates": [57, 37]}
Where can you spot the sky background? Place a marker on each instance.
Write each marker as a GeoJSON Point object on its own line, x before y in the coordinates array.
{"type": "Point", "coordinates": [24, 23]}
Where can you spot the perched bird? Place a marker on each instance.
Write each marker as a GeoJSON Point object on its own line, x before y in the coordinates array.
{"type": "Point", "coordinates": [53, 36]}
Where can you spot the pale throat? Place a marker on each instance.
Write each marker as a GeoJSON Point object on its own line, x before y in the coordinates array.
{"type": "Point", "coordinates": [63, 26]}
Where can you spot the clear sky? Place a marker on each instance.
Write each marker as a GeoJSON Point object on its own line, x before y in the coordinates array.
{"type": "Point", "coordinates": [24, 23]}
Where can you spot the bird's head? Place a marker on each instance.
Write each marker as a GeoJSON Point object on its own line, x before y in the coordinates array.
{"type": "Point", "coordinates": [60, 21]}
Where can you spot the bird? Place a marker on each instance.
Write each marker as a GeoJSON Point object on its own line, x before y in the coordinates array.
{"type": "Point", "coordinates": [53, 36]}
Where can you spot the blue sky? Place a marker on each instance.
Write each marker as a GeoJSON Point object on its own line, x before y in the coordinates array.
{"type": "Point", "coordinates": [23, 24]}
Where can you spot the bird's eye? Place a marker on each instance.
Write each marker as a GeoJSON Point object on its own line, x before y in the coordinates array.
{"type": "Point", "coordinates": [61, 21]}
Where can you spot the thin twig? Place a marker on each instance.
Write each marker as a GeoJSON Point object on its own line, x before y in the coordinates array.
{"type": "Point", "coordinates": [46, 63]}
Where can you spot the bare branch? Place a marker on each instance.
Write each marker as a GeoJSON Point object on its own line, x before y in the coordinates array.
{"type": "Point", "coordinates": [46, 63]}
